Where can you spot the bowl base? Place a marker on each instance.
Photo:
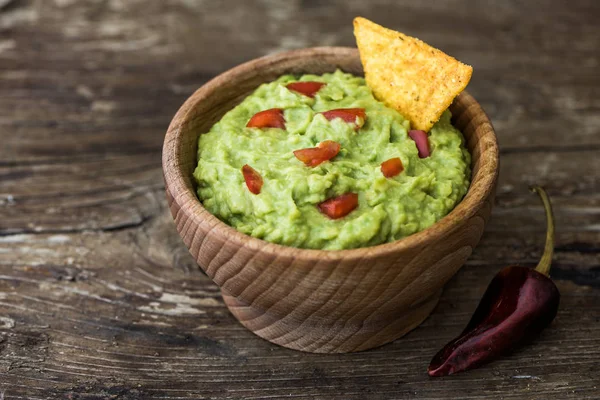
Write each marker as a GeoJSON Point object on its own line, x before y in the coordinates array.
{"type": "Point", "coordinates": [342, 337]}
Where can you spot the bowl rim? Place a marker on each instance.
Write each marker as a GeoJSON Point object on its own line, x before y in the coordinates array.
{"type": "Point", "coordinates": [189, 203]}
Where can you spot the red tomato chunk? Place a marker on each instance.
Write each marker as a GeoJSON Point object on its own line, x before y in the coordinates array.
{"type": "Point", "coordinates": [340, 206]}
{"type": "Point", "coordinates": [271, 118]}
{"type": "Point", "coordinates": [356, 116]}
{"type": "Point", "coordinates": [392, 167]}
{"type": "Point", "coordinates": [314, 156]}
{"type": "Point", "coordinates": [254, 181]}
{"type": "Point", "coordinates": [306, 88]}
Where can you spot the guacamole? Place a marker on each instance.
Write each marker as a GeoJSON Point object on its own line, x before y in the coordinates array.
{"type": "Point", "coordinates": [283, 198]}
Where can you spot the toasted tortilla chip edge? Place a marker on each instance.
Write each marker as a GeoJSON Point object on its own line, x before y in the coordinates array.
{"type": "Point", "coordinates": [464, 71]}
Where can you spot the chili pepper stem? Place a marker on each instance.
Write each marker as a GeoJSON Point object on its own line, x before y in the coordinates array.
{"type": "Point", "coordinates": [543, 266]}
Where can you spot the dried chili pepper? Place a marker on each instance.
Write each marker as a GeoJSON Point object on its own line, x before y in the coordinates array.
{"type": "Point", "coordinates": [517, 305]}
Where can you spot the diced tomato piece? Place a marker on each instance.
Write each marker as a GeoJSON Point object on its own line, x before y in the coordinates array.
{"type": "Point", "coordinates": [422, 142]}
{"type": "Point", "coordinates": [271, 118]}
{"type": "Point", "coordinates": [392, 167]}
{"type": "Point", "coordinates": [253, 179]}
{"type": "Point", "coordinates": [314, 156]}
{"type": "Point", "coordinates": [356, 116]}
{"type": "Point", "coordinates": [340, 206]}
{"type": "Point", "coordinates": [306, 88]}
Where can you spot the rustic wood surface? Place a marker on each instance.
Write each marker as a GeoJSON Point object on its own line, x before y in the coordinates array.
{"type": "Point", "coordinates": [99, 297]}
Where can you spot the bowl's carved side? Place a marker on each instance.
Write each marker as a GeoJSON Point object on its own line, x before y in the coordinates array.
{"type": "Point", "coordinates": [315, 300]}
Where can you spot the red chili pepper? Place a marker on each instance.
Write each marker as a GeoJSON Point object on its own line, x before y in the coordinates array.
{"type": "Point", "coordinates": [517, 305]}
{"type": "Point", "coordinates": [340, 206]}
{"type": "Point", "coordinates": [306, 88]}
{"type": "Point", "coordinates": [392, 167]}
{"type": "Point", "coordinates": [355, 116]}
{"type": "Point", "coordinates": [253, 179]}
{"type": "Point", "coordinates": [422, 142]}
{"type": "Point", "coordinates": [271, 118]}
{"type": "Point", "coordinates": [314, 156]}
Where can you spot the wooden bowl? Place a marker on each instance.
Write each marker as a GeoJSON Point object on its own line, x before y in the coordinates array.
{"type": "Point", "coordinates": [316, 300]}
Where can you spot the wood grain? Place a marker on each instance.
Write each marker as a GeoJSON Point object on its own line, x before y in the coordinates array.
{"type": "Point", "coordinates": [99, 296]}
{"type": "Point", "coordinates": [314, 300]}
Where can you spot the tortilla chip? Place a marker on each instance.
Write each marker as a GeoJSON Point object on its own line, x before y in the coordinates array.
{"type": "Point", "coordinates": [409, 75]}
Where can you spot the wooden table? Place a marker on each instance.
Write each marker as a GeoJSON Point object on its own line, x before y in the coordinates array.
{"type": "Point", "coordinates": [100, 299]}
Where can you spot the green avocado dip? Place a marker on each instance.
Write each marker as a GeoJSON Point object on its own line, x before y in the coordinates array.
{"type": "Point", "coordinates": [284, 200]}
